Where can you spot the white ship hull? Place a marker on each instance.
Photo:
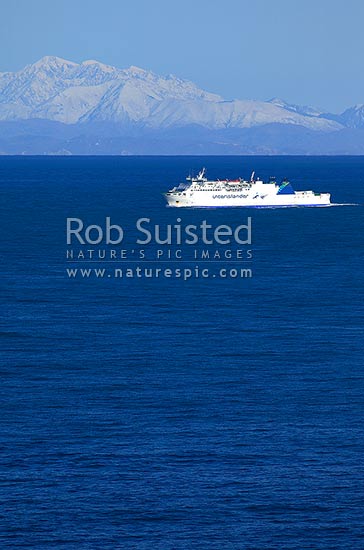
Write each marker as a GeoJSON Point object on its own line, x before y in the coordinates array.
{"type": "Point", "coordinates": [258, 202]}
{"type": "Point", "coordinates": [202, 193]}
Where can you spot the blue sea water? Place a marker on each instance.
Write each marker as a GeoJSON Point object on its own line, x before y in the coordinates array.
{"type": "Point", "coordinates": [169, 414]}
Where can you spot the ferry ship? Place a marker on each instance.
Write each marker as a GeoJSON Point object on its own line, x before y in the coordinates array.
{"type": "Point", "coordinates": [202, 192]}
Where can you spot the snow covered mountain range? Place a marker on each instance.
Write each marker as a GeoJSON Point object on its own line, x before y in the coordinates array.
{"type": "Point", "coordinates": [139, 102]}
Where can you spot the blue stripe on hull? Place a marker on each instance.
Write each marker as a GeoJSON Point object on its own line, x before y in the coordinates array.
{"type": "Point", "coordinates": [251, 206]}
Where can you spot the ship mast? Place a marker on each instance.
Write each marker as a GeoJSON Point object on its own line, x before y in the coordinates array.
{"type": "Point", "coordinates": [201, 174]}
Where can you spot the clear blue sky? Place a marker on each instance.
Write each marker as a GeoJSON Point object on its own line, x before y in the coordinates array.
{"type": "Point", "coordinates": [305, 51]}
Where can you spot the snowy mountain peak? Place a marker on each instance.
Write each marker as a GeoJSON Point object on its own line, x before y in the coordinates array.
{"type": "Point", "coordinates": [57, 89]}
{"type": "Point", "coordinates": [52, 61]}
{"type": "Point", "coordinates": [90, 62]}
{"type": "Point", "coordinates": [353, 117]}
{"type": "Point", "coordinates": [98, 64]}
{"type": "Point", "coordinates": [278, 101]}
{"type": "Point", "coordinates": [137, 70]}
{"type": "Point", "coordinates": [306, 110]}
